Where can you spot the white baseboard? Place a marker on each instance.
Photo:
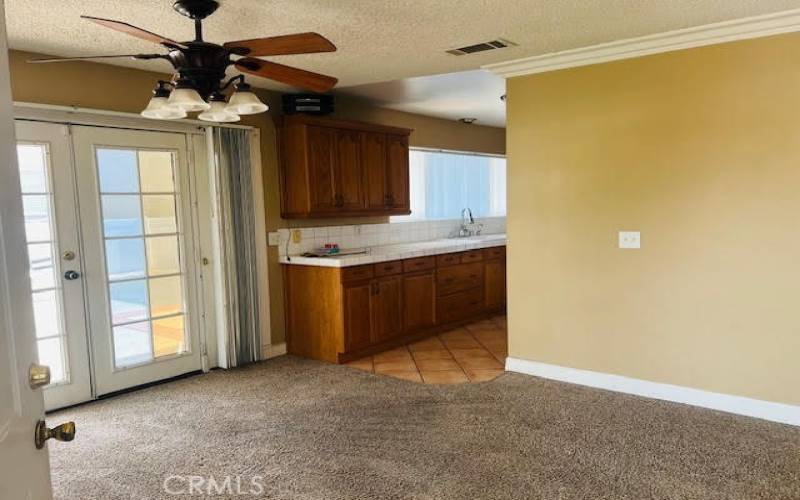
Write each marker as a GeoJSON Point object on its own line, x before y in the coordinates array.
{"type": "Point", "coordinates": [766, 410]}
{"type": "Point", "coordinates": [273, 351]}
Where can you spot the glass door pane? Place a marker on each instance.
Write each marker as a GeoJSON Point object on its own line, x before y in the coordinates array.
{"type": "Point", "coordinates": [140, 222]}
{"type": "Point", "coordinates": [38, 208]}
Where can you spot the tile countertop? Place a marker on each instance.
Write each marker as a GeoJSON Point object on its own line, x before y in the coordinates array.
{"type": "Point", "coordinates": [401, 251]}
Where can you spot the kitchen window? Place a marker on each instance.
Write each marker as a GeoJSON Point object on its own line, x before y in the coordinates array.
{"type": "Point", "coordinates": [442, 183]}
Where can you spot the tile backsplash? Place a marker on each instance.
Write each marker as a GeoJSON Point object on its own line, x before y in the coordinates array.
{"type": "Point", "coordinates": [371, 235]}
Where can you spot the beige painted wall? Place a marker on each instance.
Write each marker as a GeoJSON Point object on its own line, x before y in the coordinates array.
{"type": "Point", "coordinates": [700, 151]}
{"type": "Point", "coordinates": [114, 88]}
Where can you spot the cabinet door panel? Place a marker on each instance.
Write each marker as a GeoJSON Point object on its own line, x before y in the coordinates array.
{"type": "Point", "coordinates": [357, 327]}
{"type": "Point", "coordinates": [419, 301]}
{"type": "Point", "coordinates": [495, 284]}
{"type": "Point", "coordinates": [348, 174]}
{"type": "Point", "coordinates": [387, 320]}
{"type": "Point", "coordinates": [373, 154]}
{"type": "Point", "coordinates": [397, 172]}
{"type": "Point", "coordinates": [322, 168]}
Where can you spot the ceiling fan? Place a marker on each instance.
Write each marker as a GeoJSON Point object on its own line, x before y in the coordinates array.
{"type": "Point", "coordinates": [199, 80]}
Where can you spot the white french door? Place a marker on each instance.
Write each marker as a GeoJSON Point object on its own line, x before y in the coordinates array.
{"type": "Point", "coordinates": [134, 194]}
{"type": "Point", "coordinates": [113, 258]}
{"type": "Point", "coordinates": [54, 251]}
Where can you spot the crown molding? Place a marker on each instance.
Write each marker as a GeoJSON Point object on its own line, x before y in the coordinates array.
{"type": "Point", "coordinates": [698, 36]}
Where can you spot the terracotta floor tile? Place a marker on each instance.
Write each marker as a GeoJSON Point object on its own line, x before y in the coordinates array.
{"type": "Point", "coordinates": [494, 344]}
{"type": "Point", "coordinates": [431, 344]}
{"type": "Point", "coordinates": [446, 377]}
{"type": "Point", "coordinates": [471, 353]}
{"type": "Point", "coordinates": [458, 333]}
{"type": "Point", "coordinates": [404, 375]}
{"type": "Point", "coordinates": [464, 343]}
{"type": "Point", "coordinates": [437, 354]}
{"type": "Point", "coordinates": [501, 357]}
{"type": "Point", "coordinates": [477, 364]}
{"type": "Point", "coordinates": [491, 335]}
{"type": "Point", "coordinates": [436, 365]}
{"type": "Point", "coordinates": [362, 364]}
{"type": "Point", "coordinates": [482, 326]}
{"type": "Point", "coordinates": [401, 353]}
{"type": "Point", "coordinates": [483, 375]}
{"type": "Point", "coordinates": [397, 364]}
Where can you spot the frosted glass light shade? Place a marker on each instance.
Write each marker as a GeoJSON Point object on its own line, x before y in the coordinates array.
{"type": "Point", "coordinates": [188, 100]}
{"type": "Point", "coordinates": [158, 109]}
{"type": "Point", "coordinates": [218, 112]}
{"type": "Point", "coordinates": [244, 102]}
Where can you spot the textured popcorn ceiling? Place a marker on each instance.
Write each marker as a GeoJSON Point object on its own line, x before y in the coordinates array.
{"type": "Point", "coordinates": [378, 40]}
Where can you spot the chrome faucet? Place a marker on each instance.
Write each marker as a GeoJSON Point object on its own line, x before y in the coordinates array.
{"type": "Point", "coordinates": [468, 225]}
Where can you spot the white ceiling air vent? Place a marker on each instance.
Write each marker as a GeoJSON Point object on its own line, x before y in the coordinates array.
{"type": "Point", "coordinates": [499, 43]}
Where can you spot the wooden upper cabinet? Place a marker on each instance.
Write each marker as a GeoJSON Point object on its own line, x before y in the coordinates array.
{"type": "Point", "coordinates": [332, 168]}
{"type": "Point", "coordinates": [374, 156]}
{"type": "Point", "coordinates": [322, 168]}
{"type": "Point", "coordinates": [348, 173]}
{"type": "Point", "coordinates": [397, 172]}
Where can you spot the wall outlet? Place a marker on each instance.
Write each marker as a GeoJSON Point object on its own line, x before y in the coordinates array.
{"type": "Point", "coordinates": [296, 236]}
{"type": "Point", "coordinates": [630, 239]}
{"type": "Point", "coordinates": [273, 239]}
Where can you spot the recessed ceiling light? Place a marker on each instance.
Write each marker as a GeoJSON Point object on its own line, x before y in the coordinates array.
{"type": "Point", "coordinates": [468, 121]}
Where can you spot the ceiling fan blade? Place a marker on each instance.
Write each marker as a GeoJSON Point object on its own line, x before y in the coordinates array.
{"type": "Point", "coordinates": [286, 74]}
{"type": "Point", "coordinates": [134, 31]}
{"type": "Point", "coordinates": [299, 43]}
{"type": "Point", "coordinates": [84, 58]}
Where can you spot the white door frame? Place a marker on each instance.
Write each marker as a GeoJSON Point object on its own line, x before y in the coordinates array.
{"type": "Point", "coordinates": [24, 470]}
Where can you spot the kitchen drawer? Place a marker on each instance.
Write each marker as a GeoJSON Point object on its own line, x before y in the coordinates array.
{"type": "Point", "coordinates": [454, 279]}
{"type": "Point", "coordinates": [448, 259]}
{"type": "Point", "coordinates": [471, 256]}
{"type": "Point", "coordinates": [419, 264]}
{"type": "Point", "coordinates": [389, 268]}
{"type": "Point", "coordinates": [495, 252]}
{"type": "Point", "coordinates": [459, 306]}
{"type": "Point", "coordinates": [357, 272]}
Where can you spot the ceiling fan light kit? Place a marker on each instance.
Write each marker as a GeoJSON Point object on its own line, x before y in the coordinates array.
{"type": "Point", "coordinates": [158, 108]}
{"type": "Point", "coordinates": [200, 68]}
{"type": "Point", "coordinates": [245, 102]}
{"type": "Point", "coordinates": [218, 111]}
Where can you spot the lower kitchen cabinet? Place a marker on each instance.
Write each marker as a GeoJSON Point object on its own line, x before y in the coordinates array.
{"type": "Point", "coordinates": [386, 308]}
{"type": "Point", "coordinates": [357, 316]}
{"type": "Point", "coordinates": [340, 314]}
{"type": "Point", "coordinates": [495, 283]}
{"type": "Point", "coordinates": [419, 301]}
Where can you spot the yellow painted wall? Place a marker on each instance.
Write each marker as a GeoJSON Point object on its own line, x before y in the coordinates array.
{"type": "Point", "coordinates": [101, 86]}
{"type": "Point", "coordinates": [700, 151]}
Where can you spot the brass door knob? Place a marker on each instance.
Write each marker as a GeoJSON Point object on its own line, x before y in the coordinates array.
{"type": "Point", "coordinates": [63, 432]}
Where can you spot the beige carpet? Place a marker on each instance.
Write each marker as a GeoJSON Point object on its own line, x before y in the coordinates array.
{"type": "Point", "coordinates": [318, 431]}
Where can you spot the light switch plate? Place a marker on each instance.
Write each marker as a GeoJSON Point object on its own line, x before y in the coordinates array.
{"type": "Point", "coordinates": [630, 239]}
{"type": "Point", "coordinates": [273, 239]}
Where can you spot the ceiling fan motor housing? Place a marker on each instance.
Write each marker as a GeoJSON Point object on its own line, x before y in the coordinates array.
{"type": "Point", "coordinates": [196, 9]}
{"type": "Point", "coordinates": [203, 64]}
